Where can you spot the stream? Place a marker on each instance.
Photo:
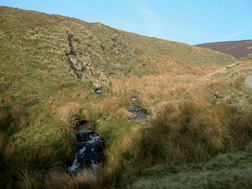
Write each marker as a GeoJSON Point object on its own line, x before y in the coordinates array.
{"type": "Point", "coordinates": [90, 151]}
{"type": "Point", "coordinates": [90, 147]}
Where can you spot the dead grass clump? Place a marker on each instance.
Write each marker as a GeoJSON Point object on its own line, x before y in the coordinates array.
{"type": "Point", "coordinates": [190, 132]}
{"type": "Point", "coordinates": [40, 159]}
{"type": "Point", "coordinates": [56, 178]}
{"type": "Point", "coordinates": [30, 179]}
{"type": "Point", "coordinates": [122, 162]}
{"type": "Point", "coordinates": [240, 130]}
{"type": "Point", "coordinates": [67, 112]}
{"type": "Point", "coordinates": [113, 104]}
{"type": "Point", "coordinates": [238, 82]}
{"type": "Point", "coordinates": [119, 116]}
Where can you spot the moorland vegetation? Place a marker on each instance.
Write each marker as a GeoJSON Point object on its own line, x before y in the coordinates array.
{"type": "Point", "coordinates": [198, 134]}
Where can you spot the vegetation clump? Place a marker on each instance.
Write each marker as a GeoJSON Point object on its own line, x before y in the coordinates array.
{"type": "Point", "coordinates": [200, 112]}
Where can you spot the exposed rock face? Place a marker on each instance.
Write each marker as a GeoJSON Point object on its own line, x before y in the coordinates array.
{"type": "Point", "coordinates": [82, 64]}
{"type": "Point", "coordinates": [90, 151]}
{"type": "Point", "coordinates": [248, 82]}
{"type": "Point", "coordinates": [118, 47]}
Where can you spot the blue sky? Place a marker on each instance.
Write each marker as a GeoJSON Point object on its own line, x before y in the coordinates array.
{"type": "Point", "coordinates": [187, 21]}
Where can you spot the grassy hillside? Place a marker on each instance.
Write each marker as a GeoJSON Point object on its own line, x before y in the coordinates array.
{"type": "Point", "coordinates": [34, 47]}
{"type": "Point", "coordinates": [189, 135]}
{"type": "Point", "coordinates": [50, 66]}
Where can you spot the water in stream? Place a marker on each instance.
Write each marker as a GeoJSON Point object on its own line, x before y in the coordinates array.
{"type": "Point", "coordinates": [98, 91]}
{"type": "Point", "coordinates": [90, 151]}
{"type": "Point", "coordinates": [141, 113]}
{"type": "Point", "coordinates": [90, 147]}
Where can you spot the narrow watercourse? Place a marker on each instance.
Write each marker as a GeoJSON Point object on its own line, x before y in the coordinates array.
{"type": "Point", "coordinates": [91, 147]}
{"type": "Point", "coordinates": [89, 152]}
{"type": "Point", "coordinates": [139, 114]}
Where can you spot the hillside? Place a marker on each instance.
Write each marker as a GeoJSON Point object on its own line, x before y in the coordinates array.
{"type": "Point", "coordinates": [50, 66]}
{"type": "Point", "coordinates": [224, 88]}
{"type": "Point", "coordinates": [37, 46]}
{"type": "Point", "coordinates": [237, 49]}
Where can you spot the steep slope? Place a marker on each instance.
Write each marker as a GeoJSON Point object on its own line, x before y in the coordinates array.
{"type": "Point", "coordinates": [237, 49]}
{"type": "Point", "coordinates": [43, 54]}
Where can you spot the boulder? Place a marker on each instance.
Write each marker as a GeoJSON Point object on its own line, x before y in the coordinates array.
{"type": "Point", "coordinates": [248, 82]}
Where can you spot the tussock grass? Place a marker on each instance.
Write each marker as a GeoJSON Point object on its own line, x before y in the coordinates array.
{"type": "Point", "coordinates": [56, 178]}
{"type": "Point", "coordinates": [231, 170]}
{"type": "Point", "coordinates": [67, 112]}
{"type": "Point", "coordinates": [41, 98]}
{"type": "Point", "coordinates": [188, 132]}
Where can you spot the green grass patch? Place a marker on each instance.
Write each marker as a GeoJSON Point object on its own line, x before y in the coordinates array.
{"type": "Point", "coordinates": [231, 170]}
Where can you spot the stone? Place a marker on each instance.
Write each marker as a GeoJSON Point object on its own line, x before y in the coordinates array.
{"type": "Point", "coordinates": [214, 97]}
{"type": "Point", "coordinates": [248, 82]}
{"type": "Point", "coordinates": [118, 65]}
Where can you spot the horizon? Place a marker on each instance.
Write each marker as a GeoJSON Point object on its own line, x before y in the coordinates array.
{"type": "Point", "coordinates": [174, 21]}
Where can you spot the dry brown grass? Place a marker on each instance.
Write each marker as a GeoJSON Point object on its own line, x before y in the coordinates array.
{"type": "Point", "coordinates": [181, 131]}
{"type": "Point", "coordinates": [55, 178]}
{"type": "Point", "coordinates": [177, 65]}
{"type": "Point", "coordinates": [239, 68]}
{"type": "Point", "coordinates": [67, 112]}
{"type": "Point", "coordinates": [190, 132]}
{"type": "Point", "coordinates": [39, 79]}
{"type": "Point", "coordinates": [173, 79]}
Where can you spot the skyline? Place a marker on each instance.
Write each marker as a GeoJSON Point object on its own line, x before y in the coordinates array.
{"type": "Point", "coordinates": [193, 22]}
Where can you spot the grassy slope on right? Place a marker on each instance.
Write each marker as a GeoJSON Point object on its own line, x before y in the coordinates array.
{"type": "Point", "coordinates": [186, 137]}
{"type": "Point", "coordinates": [230, 170]}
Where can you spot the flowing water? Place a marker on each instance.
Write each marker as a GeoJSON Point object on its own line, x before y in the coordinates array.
{"type": "Point", "coordinates": [141, 113]}
{"type": "Point", "coordinates": [90, 147]}
{"type": "Point", "coordinates": [90, 151]}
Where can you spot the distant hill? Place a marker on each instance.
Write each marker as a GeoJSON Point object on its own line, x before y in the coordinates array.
{"type": "Point", "coordinates": [237, 49]}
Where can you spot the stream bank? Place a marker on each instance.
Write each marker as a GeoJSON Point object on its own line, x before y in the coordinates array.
{"type": "Point", "coordinates": [91, 147]}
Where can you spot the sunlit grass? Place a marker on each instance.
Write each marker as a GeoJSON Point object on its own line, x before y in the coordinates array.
{"type": "Point", "coordinates": [183, 130]}
{"type": "Point", "coordinates": [41, 98]}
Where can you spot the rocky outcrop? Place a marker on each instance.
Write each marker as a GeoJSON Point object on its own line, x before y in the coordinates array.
{"type": "Point", "coordinates": [118, 47]}
{"type": "Point", "coordinates": [81, 63]}
{"type": "Point", "coordinates": [248, 82]}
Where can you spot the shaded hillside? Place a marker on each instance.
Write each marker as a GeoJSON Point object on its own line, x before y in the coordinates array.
{"type": "Point", "coordinates": [237, 49]}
